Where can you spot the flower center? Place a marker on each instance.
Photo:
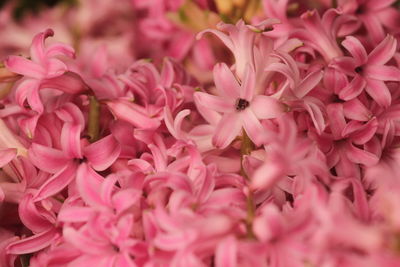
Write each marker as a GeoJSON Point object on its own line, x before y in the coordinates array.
{"type": "Point", "coordinates": [242, 104]}
{"type": "Point", "coordinates": [358, 69]}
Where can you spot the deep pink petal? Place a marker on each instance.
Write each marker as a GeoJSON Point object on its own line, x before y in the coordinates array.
{"type": "Point", "coordinates": [225, 81]}
{"type": "Point", "coordinates": [383, 52]}
{"type": "Point", "coordinates": [353, 89]}
{"type": "Point", "coordinates": [24, 90]}
{"type": "Point", "coordinates": [227, 129]}
{"type": "Point", "coordinates": [46, 158]}
{"type": "Point", "coordinates": [103, 153]}
{"type": "Point", "coordinates": [316, 115]}
{"type": "Point", "coordinates": [55, 68]}
{"type": "Point", "coordinates": [379, 92]}
{"type": "Point", "coordinates": [57, 182]}
{"type": "Point", "coordinates": [266, 107]}
{"type": "Point", "coordinates": [216, 103]}
{"type": "Point", "coordinates": [33, 243]}
{"type": "Point", "coordinates": [356, 49]}
{"type": "Point", "coordinates": [355, 110]}
{"type": "Point", "coordinates": [24, 67]}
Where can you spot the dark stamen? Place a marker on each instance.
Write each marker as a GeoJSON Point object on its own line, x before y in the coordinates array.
{"type": "Point", "coordinates": [242, 104]}
{"type": "Point", "coordinates": [358, 69]}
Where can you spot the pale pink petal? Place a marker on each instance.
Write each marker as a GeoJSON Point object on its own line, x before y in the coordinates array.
{"type": "Point", "coordinates": [216, 103]}
{"type": "Point", "coordinates": [24, 67]}
{"type": "Point", "coordinates": [223, 37]}
{"type": "Point", "coordinates": [33, 243]}
{"type": "Point", "coordinates": [34, 100]}
{"type": "Point", "coordinates": [252, 126]}
{"type": "Point", "coordinates": [58, 49]}
{"type": "Point", "coordinates": [383, 52]}
{"type": "Point", "coordinates": [55, 68]}
{"type": "Point", "coordinates": [225, 81]}
{"type": "Point", "coordinates": [382, 73]}
{"type": "Point", "coordinates": [353, 89]}
{"type": "Point", "coordinates": [174, 241]}
{"type": "Point", "coordinates": [379, 92]}
{"type": "Point", "coordinates": [57, 182]}
{"type": "Point", "coordinates": [46, 158]}
{"type": "Point", "coordinates": [248, 83]}
{"type": "Point", "coordinates": [25, 89]}
{"type": "Point", "coordinates": [226, 253]}
{"type": "Point", "coordinates": [7, 155]}
{"type": "Point", "coordinates": [266, 107]}
{"type": "Point", "coordinates": [284, 70]}
{"type": "Point", "coordinates": [356, 49]}
{"type": "Point", "coordinates": [75, 214]}
{"type": "Point", "coordinates": [308, 83]}
{"type": "Point", "coordinates": [227, 129]}
{"type": "Point", "coordinates": [103, 153]}
{"type": "Point", "coordinates": [266, 176]}
{"type": "Point", "coordinates": [316, 115]}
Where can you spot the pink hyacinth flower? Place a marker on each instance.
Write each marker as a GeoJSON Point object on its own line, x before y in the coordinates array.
{"type": "Point", "coordinates": [239, 105]}
{"type": "Point", "coordinates": [369, 72]}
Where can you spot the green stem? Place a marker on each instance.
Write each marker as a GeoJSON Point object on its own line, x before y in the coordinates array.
{"type": "Point", "coordinates": [94, 119]}
{"type": "Point", "coordinates": [245, 149]}
{"type": "Point", "coordinates": [25, 259]}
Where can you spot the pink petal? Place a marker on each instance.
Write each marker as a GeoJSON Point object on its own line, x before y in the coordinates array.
{"type": "Point", "coordinates": [75, 214]}
{"type": "Point", "coordinates": [266, 176]}
{"type": "Point", "coordinates": [24, 67]}
{"type": "Point", "coordinates": [248, 83]}
{"type": "Point", "coordinates": [382, 73]}
{"type": "Point", "coordinates": [252, 126]}
{"type": "Point", "coordinates": [71, 140]}
{"type": "Point", "coordinates": [284, 70]}
{"type": "Point", "coordinates": [133, 114]}
{"type": "Point", "coordinates": [85, 244]}
{"type": "Point", "coordinates": [70, 83]}
{"type": "Point", "coordinates": [225, 81]}
{"type": "Point", "coordinates": [360, 156]}
{"type": "Point", "coordinates": [37, 50]}
{"type": "Point", "coordinates": [344, 64]}
{"type": "Point", "coordinates": [103, 153]}
{"type": "Point", "coordinates": [308, 83]}
{"type": "Point", "coordinates": [316, 115]}
{"type": "Point", "coordinates": [353, 89]}
{"type": "Point", "coordinates": [7, 155]}
{"type": "Point", "coordinates": [360, 133]}
{"type": "Point", "coordinates": [374, 26]}
{"type": "Point", "coordinates": [31, 217]}
{"type": "Point", "coordinates": [227, 129]}
{"type": "Point", "coordinates": [356, 49]}
{"type": "Point", "coordinates": [71, 113]}
{"type": "Point", "coordinates": [336, 119]}
{"type": "Point", "coordinates": [216, 103]}
{"type": "Point", "coordinates": [57, 182]}
{"type": "Point", "coordinates": [55, 68]}
{"type": "Point", "coordinates": [33, 243]}
{"type": "Point", "coordinates": [88, 183]}
{"type": "Point", "coordinates": [383, 52]}
{"type": "Point", "coordinates": [226, 253]}
{"type": "Point", "coordinates": [355, 110]}
{"type": "Point", "coordinates": [60, 49]}
{"type": "Point", "coordinates": [223, 37]}
{"type": "Point", "coordinates": [266, 107]}
{"type": "Point", "coordinates": [379, 92]}
{"type": "Point", "coordinates": [174, 241]}
{"type": "Point", "coordinates": [46, 158]}
{"type": "Point", "coordinates": [34, 100]}
{"type": "Point", "coordinates": [24, 90]}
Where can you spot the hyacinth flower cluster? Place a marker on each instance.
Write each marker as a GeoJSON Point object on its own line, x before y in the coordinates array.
{"type": "Point", "coordinates": [173, 138]}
